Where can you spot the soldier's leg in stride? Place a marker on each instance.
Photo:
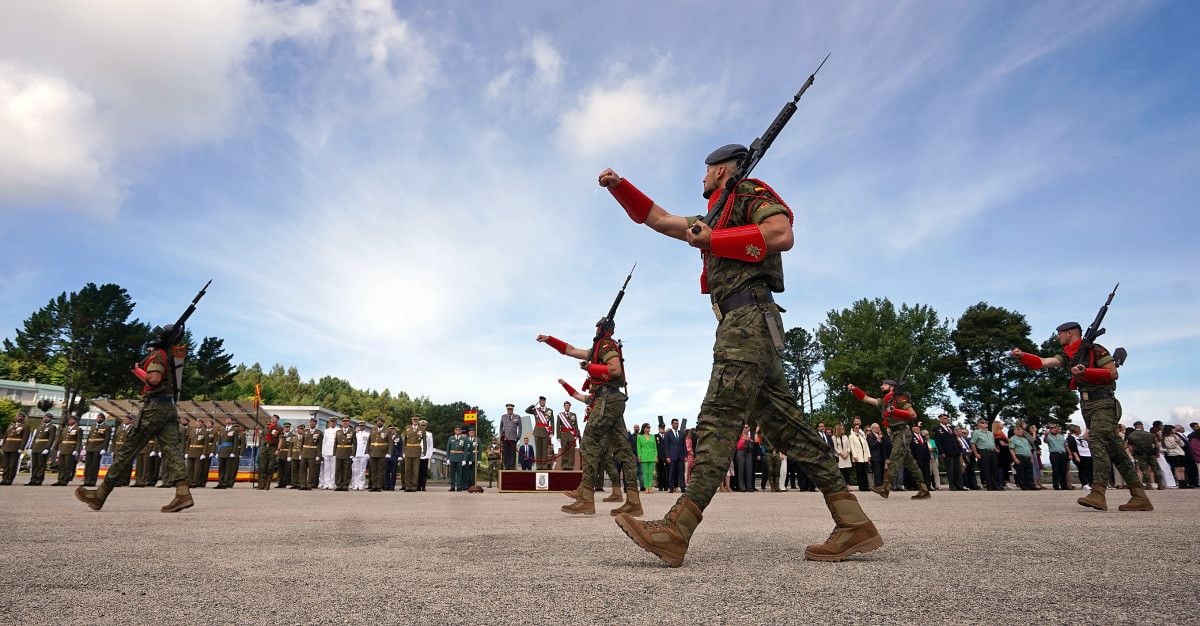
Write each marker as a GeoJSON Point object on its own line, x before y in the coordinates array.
{"type": "Point", "coordinates": [783, 425]}
{"type": "Point", "coordinates": [618, 442]}
{"type": "Point", "coordinates": [596, 456]}
{"type": "Point", "coordinates": [731, 389]}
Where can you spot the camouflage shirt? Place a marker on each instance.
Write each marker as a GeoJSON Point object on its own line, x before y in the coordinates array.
{"type": "Point", "coordinates": [752, 203]}
{"type": "Point", "coordinates": [606, 349]}
{"type": "Point", "coordinates": [1099, 358]}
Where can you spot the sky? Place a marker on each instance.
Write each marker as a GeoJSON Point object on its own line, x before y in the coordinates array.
{"type": "Point", "coordinates": [404, 194]}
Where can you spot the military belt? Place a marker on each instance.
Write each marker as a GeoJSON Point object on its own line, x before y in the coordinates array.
{"type": "Point", "coordinates": [605, 390]}
{"type": "Point", "coordinates": [1096, 394]}
{"type": "Point", "coordinates": [755, 294]}
{"type": "Point", "coordinates": [158, 400]}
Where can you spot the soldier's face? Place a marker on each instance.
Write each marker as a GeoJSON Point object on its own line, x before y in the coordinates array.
{"type": "Point", "coordinates": [711, 180]}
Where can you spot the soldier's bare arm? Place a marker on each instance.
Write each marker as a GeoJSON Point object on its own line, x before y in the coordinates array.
{"type": "Point", "coordinates": [641, 209]}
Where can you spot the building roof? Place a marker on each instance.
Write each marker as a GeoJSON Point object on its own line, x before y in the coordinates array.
{"type": "Point", "coordinates": [21, 384]}
{"type": "Point", "coordinates": [241, 412]}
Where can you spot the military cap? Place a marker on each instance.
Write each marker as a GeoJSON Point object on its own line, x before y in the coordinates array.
{"type": "Point", "coordinates": [1064, 327]}
{"type": "Point", "coordinates": [424, 422]}
{"type": "Point", "coordinates": [726, 153]}
{"type": "Point", "coordinates": [509, 405]}
{"type": "Point", "coordinates": [888, 381]}
{"type": "Point", "coordinates": [541, 397]}
{"type": "Point", "coordinates": [1138, 423]}
{"type": "Point", "coordinates": [301, 427]}
{"type": "Point", "coordinates": [379, 421]}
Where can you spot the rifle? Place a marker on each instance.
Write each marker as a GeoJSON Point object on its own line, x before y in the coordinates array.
{"type": "Point", "coordinates": [1094, 331]}
{"type": "Point", "coordinates": [757, 148]}
{"type": "Point", "coordinates": [176, 333]}
{"type": "Point", "coordinates": [607, 323]}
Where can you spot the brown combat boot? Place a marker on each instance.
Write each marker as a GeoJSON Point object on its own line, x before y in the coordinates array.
{"type": "Point", "coordinates": [667, 538]}
{"type": "Point", "coordinates": [577, 492]}
{"type": "Point", "coordinates": [1137, 501]}
{"type": "Point", "coordinates": [922, 493]}
{"type": "Point", "coordinates": [632, 506]}
{"type": "Point", "coordinates": [93, 497]}
{"type": "Point", "coordinates": [852, 532]}
{"type": "Point", "coordinates": [183, 499]}
{"type": "Point", "coordinates": [1094, 499]}
{"type": "Point", "coordinates": [584, 505]}
{"type": "Point", "coordinates": [883, 489]}
{"type": "Point", "coordinates": [615, 496]}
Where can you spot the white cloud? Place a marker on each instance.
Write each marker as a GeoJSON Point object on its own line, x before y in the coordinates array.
{"type": "Point", "coordinates": [92, 91]}
{"type": "Point", "coordinates": [1185, 414]}
{"type": "Point", "coordinates": [609, 118]}
{"type": "Point", "coordinates": [546, 59]}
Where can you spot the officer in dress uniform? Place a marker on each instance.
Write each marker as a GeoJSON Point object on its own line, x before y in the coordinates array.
{"type": "Point", "coordinates": [96, 445]}
{"type": "Point", "coordinates": [70, 440]}
{"type": "Point", "coordinates": [566, 428]}
{"type": "Point", "coordinates": [343, 453]}
{"type": "Point", "coordinates": [414, 444]}
{"type": "Point", "coordinates": [269, 441]}
{"type": "Point", "coordinates": [14, 442]}
{"type": "Point", "coordinates": [122, 434]}
{"type": "Point", "coordinates": [230, 443]}
{"type": "Point", "coordinates": [379, 452]}
{"type": "Point", "coordinates": [455, 447]}
{"type": "Point", "coordinates": [41, 447]}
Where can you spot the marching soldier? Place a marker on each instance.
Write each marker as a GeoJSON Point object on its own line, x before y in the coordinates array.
{"type": "Point", "coordinates": [606, 408]}
{"type": "Point", "coordinates": [742, 266]}
{"type": "Point", "coordinates": [43, 443]}
{"type": "Point", "coordinates": [268, 449]}
{"type": "Point", "coordinates": [94, 447]}
{"type": "Point", "coordinates": [897, 412]}
{"type": "Point", "coordinates": [379, 451]}
{"type": "Point", "coordinates": [159, 418]}
{"type": "Point", "coordinates": [120, 436]}
{"type": "Point", "coordinates": [343, 453]}
{"type": "Point", "coordinates": [455, 447]}
{"type": "Point", "coordinates": [566, 428]}
{"type": "Point", "coordinates": [14, 442]}
{"type": "Point", "coordinates": [1094, 376]}
{"type": "Point", "coordinates": [70, 439]}
{"type": "Point", "coordinates": [543, 423]}
{"type": "Point", "coordinates": [414, 445]}
{"type": "Point", "coordinates": [230, 443]}
{"type": "Point", "coordinates": [310, 457]}
{"type": "Point", "coordinates": [148, 464]}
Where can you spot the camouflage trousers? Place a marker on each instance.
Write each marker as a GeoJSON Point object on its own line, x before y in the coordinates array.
{"type": "Point", "coordinates": [747, 379]}
{"type": "Point", "coordinates": [1108, 449]}
{"type": "Point", "coordinates": [156, 421]}
{"type": "Point", "coordinates": [1147, 466]}
{"type": "Point", "coordinates": [902, 457]}
{"type": "Point", "coordinates": [606, 438]}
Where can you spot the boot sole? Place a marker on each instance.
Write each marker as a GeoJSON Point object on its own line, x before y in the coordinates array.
{"type": "Point", "coordinates": [638, 512]}
{"type": "Point", "coordinates": [612, 499]}
{"type": "Point", "coordinates": [867, 545]}
{"type": "Point", "coordinates": [175, 509]}
{"type": "Point", "coordinates": [626, 523]}
{"type": "Point", "coordinates": [882, 494]}
{"type": "Point", "coordinates": [1080, 502]}
{"type": "Point", "coordinates": [569, 510]}
{"type": "Point", "coordinates": [79, 493]}
{"type": "Point", "coordinates": [924, 497]}
{"type": "Point", "coordinates": [1140, 508]}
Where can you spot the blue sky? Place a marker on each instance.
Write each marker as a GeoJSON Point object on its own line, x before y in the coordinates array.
{"type": "Point", "coordinates": [404, 194]}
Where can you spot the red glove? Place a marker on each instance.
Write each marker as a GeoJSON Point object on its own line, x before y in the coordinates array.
{"type": "Point", "coordinates": [636, 204]}
{"type": "Point", "coordinates": [1032, 361]}
{"type": "Point", "coordinates": [744, 243]}
{"type": "Point", "coordinates": [859, 393]}
{"type": "Point", "coordinates": [569, 389]}
{"type": "Point", "coordinates": [557, 344]}
{"type": "Point", "coordinates": [1097, 376]}
{"type": "Point", "coordinates": [599, 371]}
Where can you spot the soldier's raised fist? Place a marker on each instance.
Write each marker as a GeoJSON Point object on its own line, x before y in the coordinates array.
{"type": "Point", "coordinates": [609, 178]}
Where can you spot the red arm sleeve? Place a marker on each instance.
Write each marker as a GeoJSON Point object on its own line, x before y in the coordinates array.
{"type": "Point", "coordinates": [569, 389]}
{"type": "Point", "coordinates": [635, 203]}
{"type": "Point", "coordinates": [859, 393]}
{"type": "Point", "coordinates": [1097, 376]}
{"type": "Point", "coordinates": [1032, 361]}
{"type": "Point", "coordinates": [599, 371]}
{"type": "Point", "coordinates": [557, 344]}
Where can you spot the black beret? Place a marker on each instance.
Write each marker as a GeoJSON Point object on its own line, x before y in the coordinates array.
{"type": "Point", "coordinates": [888, 381]}
{"type": "Point", "coordinates": [726, 153]}
{"type": "Point", "coordinates": [1064, 327]}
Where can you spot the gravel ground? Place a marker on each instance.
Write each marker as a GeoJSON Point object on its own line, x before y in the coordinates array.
{"type": "Point", "coordinates": [439, 557]}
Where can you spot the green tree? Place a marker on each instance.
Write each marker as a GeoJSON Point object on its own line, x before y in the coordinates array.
{"type": "Point", "coordinates": [207, 369]}
{"type": "Point", "coordinates": [801, 355]}
{"type": "Point", "coordinates": [8, 410]}
{"type": "Point", "coordinates": [873, 340]}
{"type": "Point", "coordinates": [984, 376]}
{"type": "Point", "coordinates": [84, 341]}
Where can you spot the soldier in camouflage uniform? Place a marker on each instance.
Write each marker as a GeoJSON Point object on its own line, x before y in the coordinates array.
{"type": "Point", "coordinates": [606, 416]}
{"type": "Point", "coordinates": [897, 412]}
{"type": "Point", "coordinates": [1094, 376]}
{"type": "Point", "coordinates": [159, 420]}
{"type": "Point", "coordinates": [14, 442]}
{"type": "Point", "coordinates": [742, 266]}
{"type": "Point", "coordinates": [1144, 446]}
{"type": "Point", "coordinates": [40, 448]}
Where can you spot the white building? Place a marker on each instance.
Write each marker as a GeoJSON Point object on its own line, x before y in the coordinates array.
{"type": "Point", "coordinates": [28, 393]}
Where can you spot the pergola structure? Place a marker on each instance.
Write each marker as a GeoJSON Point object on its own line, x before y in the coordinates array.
{"type": "Point", "coordinates": [241, 412]}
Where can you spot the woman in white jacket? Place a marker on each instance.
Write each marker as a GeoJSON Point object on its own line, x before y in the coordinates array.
{"type": "Point", "coordinates": [860, 454]}
{"type": "Point", "coordinates": [841, 445]}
